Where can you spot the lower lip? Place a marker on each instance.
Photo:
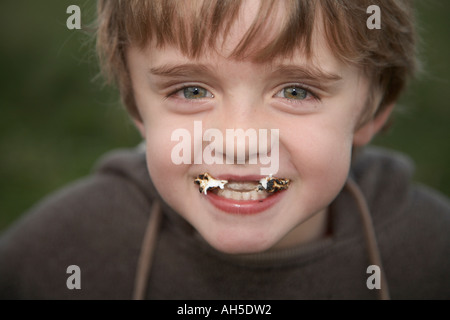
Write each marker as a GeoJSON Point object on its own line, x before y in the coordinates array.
{"type": "Point", "coordinates": [244, 206]}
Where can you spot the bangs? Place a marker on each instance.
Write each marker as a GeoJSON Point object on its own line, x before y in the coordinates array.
{"type": "Point", "coordinates": [197, 26]}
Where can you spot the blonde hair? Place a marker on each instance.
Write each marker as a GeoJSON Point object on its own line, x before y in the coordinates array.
{"type": "Point", "coordinates": [387, 56]}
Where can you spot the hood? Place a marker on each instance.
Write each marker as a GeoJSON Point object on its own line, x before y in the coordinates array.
{"type": "Point", "coordinates": [384, 177]}
{"type": "Point", "coordinates": [130, 165]}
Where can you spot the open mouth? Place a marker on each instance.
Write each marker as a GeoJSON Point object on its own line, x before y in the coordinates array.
{"type": "Point", "coordinates": [241, 190]}
{"type": "Point", "coordinates": [242, 195]}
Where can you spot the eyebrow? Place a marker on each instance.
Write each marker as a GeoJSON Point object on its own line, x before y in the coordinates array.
{"type": "Point", "coordinates": [181, 70]}
{"type": "Point", "coordinates": [311, 73]}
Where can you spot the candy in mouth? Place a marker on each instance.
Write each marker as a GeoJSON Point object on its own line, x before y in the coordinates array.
{"type": "Point", "coordinates": [206, 181]}
{"type": "Point", "coordinates": [272, 184]}
{"type": "Point", "coordinates": [269, 184]}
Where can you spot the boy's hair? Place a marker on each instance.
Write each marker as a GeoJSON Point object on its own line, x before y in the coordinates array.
{"type": "Point", "coordinates": [387, 55]}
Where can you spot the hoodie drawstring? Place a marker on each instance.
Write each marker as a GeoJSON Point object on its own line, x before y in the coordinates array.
{"type": "Point", "coordinates": [369, 232]}
{"type": "Point", "coordinates": [147, 250]}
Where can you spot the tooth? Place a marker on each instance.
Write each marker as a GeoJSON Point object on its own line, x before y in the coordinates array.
{"type": "Point", "coordinates": [237, 195]}
{"type": "Point", "coordinates": [225, 193]}
{"type": "Point", "coordinates": [256, 195]}
{"type": "Point", "coordinates": [234, 185]}
{"type": "Point", "coordinates": [238, 186]}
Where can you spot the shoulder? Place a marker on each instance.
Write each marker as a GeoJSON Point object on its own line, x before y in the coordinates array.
{"type": "Point", "coordinates": [426, 218]}
{"type": "Point", "coordinates": [96, 223]}
{"type": "Point", "coordinates": [415, 247]}
{"type": "Point", "coordinates": [386, 180]}
{"type": "Point", "coordinates": [412, 222]}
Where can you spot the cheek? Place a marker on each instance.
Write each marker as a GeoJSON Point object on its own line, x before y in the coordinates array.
{"type": "Point", "coordinates": [321, 157]}
{"type": "Point", "coordinates": [166, 176]}
{"type": "Point", "coordinates": [169, 179]}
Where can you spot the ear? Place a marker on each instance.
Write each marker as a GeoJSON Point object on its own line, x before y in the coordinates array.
{"type": "Point", "coordinates": [140, 126]}
{"type": "Point", "coordinates": [364, 135]}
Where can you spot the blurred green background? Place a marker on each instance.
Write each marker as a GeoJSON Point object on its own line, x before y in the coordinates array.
{"type": "Point", "coordinates": [56, 120]}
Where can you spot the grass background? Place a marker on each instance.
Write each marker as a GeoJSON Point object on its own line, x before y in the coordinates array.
{"type": "Point", "coordinates": [56, 121]}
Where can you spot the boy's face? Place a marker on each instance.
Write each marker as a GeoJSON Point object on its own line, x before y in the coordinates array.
{"type": "Point", "coordinates": [316, 114]}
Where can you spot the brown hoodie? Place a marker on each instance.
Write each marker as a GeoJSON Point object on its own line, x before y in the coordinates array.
{"type": "Point", "coordinates": [99, 224]}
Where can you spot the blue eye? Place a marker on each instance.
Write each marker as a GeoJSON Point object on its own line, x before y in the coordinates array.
{"type": "Point", "coordinates": [294, 93]}
{"type": "Point", "coordinates": [195, 93]}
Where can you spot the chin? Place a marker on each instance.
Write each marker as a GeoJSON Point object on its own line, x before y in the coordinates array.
{"type": "Point", "coordinates": [240, 245]}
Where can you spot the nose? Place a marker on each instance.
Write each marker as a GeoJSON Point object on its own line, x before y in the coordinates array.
{"type": "Point", "coordinates": [244, 131]}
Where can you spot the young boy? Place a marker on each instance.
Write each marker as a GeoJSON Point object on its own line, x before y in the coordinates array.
{"type": "Point", "coordinates": [252, 182]}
